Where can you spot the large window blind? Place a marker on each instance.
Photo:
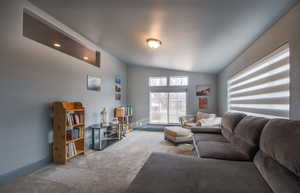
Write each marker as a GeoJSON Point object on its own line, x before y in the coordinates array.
{"type": "Point", "coordinates": [262, 89]}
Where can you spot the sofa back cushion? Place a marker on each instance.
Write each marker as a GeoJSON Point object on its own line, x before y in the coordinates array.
{"type": "Point", "coordinates": [247, 134]}
{"type": "Point", "coordinates": [281, 141]}
{"type": "Point", "coordinates": [279, 157]}
{"type": "Point", "coordinates": [201, 115]}
{"type": "Point", "coordinates": [279, 178]}
{"type": "Point", "coordinates": [229, 122]}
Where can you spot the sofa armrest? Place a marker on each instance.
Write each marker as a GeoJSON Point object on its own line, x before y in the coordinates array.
{"type": "Point", "coordinates": [186, 119]}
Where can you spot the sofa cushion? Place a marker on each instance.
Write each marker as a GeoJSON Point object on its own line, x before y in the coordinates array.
{"type": "Point", "coordinates": [229, 122]}
{"type": "Point", "coordinates": [279, 178]}
{"type": "Point", "coordinates": [189, 125]}
{"type": "Point", "coordinates": [219, 150]}
{"type": "Point", "coordinates": [280, 140]}
{"type": "Point", "coordinates": [247, 133]}
{"type": "Point", "coordinates": [165, 173]}
{"type": "Point", "coordinates": [227, 133]}
{"type": "Point", "coordinates": [215, 130]}
{"type": "Point", "coordinates": [201, 115]}
{"type": "Point", "coordinates": [177, 131]}
{"type": "Point", "coordinates": [202, 137]}
{"type": "Point", "coordinates": [210, 122]}
{"type": "Point", "coordinates": [208, 137]}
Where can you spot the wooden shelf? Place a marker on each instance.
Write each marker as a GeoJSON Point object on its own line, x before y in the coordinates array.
{"type": "Point", "coordinates": [64, 113]}
{"type": "Point", "coordinates": [74, 140]}
{"type": "Point", "coordinates": [75, 125]}
{"type": "Point", "coordinates": [75, 110]}
{"type": "Point", "coordinates": [78, 153]}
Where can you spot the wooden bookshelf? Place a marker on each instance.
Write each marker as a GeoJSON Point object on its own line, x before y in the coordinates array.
{"type": "Point", "coordinates": [69, 131]}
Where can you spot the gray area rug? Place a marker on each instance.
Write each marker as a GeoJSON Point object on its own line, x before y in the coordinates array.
{"type": "Point", "coordinates": [108, 171]}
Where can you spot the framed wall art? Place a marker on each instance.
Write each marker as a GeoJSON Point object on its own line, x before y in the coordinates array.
{"type": "Point", "coordinates": [93, 83]}
{"type": "Point", "coordinates": [203, 102]}
{"type": "Point", "coordinates": [202, 90]}
{"type": "Point", "coordinates": [118, 88]}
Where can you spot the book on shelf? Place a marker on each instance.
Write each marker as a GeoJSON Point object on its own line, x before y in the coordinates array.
{"type": "Point", "coordinates": [73, 118]}
{"type": "Point", "coordinates": [73, 133]}
{"type": "Point", "coordinates": [71, 150]}
{"type": "Point", "coordinates": [76, 119]}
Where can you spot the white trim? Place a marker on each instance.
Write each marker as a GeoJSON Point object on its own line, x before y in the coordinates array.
{"type": "Point", "coordinates": [178, 77]}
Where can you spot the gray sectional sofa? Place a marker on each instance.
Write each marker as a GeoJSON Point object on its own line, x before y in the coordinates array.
{"type": "Point", "coordinates": [239, 140]}
{"type": "Point", "coordinates": [249, 155]}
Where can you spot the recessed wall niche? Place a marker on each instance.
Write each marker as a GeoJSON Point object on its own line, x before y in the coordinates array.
{"type": "Point", "coordinates": [37, 29]}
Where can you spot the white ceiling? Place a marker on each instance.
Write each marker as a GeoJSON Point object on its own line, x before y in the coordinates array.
{"type": "Point", "coordinates": [197, 35]}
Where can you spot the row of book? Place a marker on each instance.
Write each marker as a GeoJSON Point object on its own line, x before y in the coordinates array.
{"type": "Point", "coordinates": [129, 110]}
{"type": "Point", "coordinates": [74, 133]}
{"type": "Point", "coordinates": [73, 118]}
{"type": "Point", "coordinates": [71, 150]}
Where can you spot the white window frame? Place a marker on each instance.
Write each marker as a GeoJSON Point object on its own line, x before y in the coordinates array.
{"type": "Point", "coordinates": [168, 104]}
{"type": "Point", "coordinates": [149, 82]}
{"type": "Point", "coordinates": [179, 77]}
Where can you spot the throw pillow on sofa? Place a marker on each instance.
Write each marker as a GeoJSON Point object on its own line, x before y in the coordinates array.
{"type": "Point", "coordinates": [210, 122]}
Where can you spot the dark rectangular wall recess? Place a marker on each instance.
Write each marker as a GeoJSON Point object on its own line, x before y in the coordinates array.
{"type": "Point", "coordinates": [43, 32]}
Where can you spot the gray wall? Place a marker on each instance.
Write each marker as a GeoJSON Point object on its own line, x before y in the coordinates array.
{"type": "Point", "coordinates": [32, 76]}
{"type": "Point", "coordinates": [286, 29]}
{"type": "Point", "coordinates": [138, 89]}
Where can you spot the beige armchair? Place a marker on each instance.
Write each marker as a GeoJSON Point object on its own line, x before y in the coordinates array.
{"type": "Point", "coordinates": [200, 120]}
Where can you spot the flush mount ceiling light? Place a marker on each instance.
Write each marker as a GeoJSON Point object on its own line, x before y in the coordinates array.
{"type": "Point", "coordinates": [85, 58]}
{"type": "Point", "coordinates": [153, 43]}
{"type": "Point", "coordinates": [57, 45]}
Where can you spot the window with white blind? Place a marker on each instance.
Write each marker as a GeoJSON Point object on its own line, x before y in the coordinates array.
{"type": "Point", "coordinates": [158, 81]}
{"type": "Point", "coordinates": [179, 81]}
{"type": "Point", "coordinates": [262, 89]}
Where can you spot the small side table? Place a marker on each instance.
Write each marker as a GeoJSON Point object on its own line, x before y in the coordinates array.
{"type": "Point", "coordinates": [102, 137]}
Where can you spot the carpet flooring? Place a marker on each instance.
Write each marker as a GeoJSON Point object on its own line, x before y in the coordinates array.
{"type": "Point", "coordinates": [108, 171]}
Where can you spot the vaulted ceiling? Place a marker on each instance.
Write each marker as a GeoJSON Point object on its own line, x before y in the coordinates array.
{"type": "Point", "coordinates": [196, 35]}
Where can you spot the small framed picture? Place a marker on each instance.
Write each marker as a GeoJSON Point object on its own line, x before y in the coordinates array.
{"type": "Point", "coordinates": [118, 79]}
{"type": "Point", "coordinates": [203, 102]}
{"type": "Point", "coordinates": [93, 83]}
{"type": "Point", "coordinates": [202, 90]}
{"type": "Point", "coordinates": [118, 88]}
{"type": "Point", "coordinates": [118, 96]}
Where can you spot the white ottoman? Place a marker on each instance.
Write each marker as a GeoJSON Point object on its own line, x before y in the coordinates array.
{"type": "Point", "coordinates": [178, 135]}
